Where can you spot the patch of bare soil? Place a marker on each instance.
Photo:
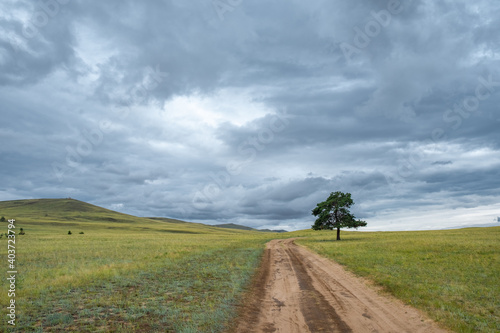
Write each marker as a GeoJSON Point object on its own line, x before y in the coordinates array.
{"type": "Point", "coordinates": [296, 290]}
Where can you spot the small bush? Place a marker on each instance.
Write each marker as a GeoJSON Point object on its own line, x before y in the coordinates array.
{"type": "Point", "coordinates": [81, 232]}
{"type": "Point", "coordinates": [69, 232]}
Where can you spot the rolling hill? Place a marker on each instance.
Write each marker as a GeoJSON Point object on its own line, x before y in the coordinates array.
{"type": "Point", "coordinates": [67, 211]}
{"type": "Point", "coordinates": [242, 227]}
{"type": "Point", "coordinates": [39, 210]}
{"type": "Point", "coordinates": [71, 213]}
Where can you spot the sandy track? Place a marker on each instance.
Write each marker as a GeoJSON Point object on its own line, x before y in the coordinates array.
{"type": "Point", "coordinates": [299, 291]}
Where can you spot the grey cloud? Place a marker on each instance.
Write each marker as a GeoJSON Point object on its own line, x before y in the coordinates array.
{"type": "Point", "coordinates": [35, 48]}
{"type": "Point", "coordinates": [90, 94]}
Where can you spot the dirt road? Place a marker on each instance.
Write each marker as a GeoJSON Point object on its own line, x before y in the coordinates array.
{"type": "Point", "coordinates": [299, 291]}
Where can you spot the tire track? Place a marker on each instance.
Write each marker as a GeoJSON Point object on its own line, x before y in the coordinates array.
{"type": "Point", "coordinates": [296, 290]}
{"type": "Point", "coordinates": [320, 316]}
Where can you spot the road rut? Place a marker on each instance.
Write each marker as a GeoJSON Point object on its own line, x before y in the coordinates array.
{"type": "Point", "coordinates": [298, 291]}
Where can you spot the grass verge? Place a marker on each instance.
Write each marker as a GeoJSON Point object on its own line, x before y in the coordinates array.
{"type": "Point", "coordinates": [453, 275]}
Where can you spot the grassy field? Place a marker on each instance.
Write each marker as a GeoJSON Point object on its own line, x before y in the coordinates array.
{"type": "Point", "coordinates": [123, 273]}
{"type": "Point", "coordinates": [120, 273]}
{"type": "Point", "coordinates": [453, 275]}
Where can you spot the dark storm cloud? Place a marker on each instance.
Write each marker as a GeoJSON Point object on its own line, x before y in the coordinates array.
{"type": "Point", "coordinates": [34, 48]}
{"type": "Point", "coordinates": [255, 111]}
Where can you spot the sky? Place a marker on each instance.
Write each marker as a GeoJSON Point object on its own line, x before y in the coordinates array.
{"type": "Point", "coordinates": [252, 112]}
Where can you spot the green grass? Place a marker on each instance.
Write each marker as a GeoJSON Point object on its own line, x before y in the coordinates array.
{"type": "Point", "coordinates": [124, 273]}
{"type": "Point", "coordinates": [453, 275]}
{"type": "Point", "coordinates": [127, 273]}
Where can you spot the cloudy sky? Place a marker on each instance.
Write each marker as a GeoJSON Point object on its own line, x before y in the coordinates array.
{"type": "Point", "coordinates": [252, 112]}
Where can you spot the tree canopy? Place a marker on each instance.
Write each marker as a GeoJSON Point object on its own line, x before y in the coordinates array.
{"type": "Point", "coordinates": [333, 213]}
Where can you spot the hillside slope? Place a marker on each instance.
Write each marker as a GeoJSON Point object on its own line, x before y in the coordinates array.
{"type": "Point", "coordinates": [71, 213]}
{"type": "Point", "coordinates": [242, 227]}
{"type": "Point", "coordinates": [59, 209]}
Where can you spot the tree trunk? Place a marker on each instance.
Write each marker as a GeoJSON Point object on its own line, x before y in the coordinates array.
{"type": "Point", "coordinates": [338, 233]}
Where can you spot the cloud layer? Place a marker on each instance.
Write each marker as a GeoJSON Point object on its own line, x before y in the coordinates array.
{"type": "Point", "coordinates": [253, 112]}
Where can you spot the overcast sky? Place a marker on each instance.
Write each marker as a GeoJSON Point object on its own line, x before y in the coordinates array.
{"type": "Point", "coordinates": [251, 112]}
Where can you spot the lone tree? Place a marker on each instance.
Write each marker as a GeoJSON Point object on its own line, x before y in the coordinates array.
{"type": "Point", "coordinates": [334, 213]}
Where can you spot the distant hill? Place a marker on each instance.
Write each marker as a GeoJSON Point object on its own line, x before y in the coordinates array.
{"type": "Point", "coordinates": [233, 226]}
{"type": "Point", "coordinates": [269, 230]}
{"type": "Point", "coordinates": [71, 214]}
{"type": "Point", "coordinates": [242, 227]}
{"type": "Point", "coordinates": [484, 225]}
{"type": "Point", "coordinates": [165, 219]}
{"type": "Point", "coordinates": [60, 210]}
